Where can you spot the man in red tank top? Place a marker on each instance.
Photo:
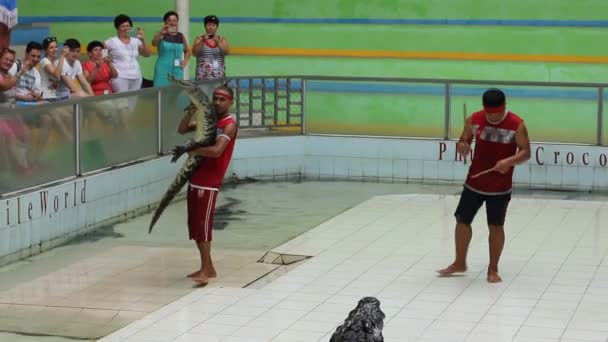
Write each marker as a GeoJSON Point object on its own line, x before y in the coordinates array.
{"type": "Point", "coordinates": [207, 179]}
{"type": "Point", "coordinates": [501, 142]}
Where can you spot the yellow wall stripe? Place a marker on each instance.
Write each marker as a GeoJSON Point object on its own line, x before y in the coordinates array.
{"type": "Point", "coordinates": [298, 52]}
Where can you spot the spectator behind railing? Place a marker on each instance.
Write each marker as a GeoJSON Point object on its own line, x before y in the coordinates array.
{"type": "Point", "coordinates": [29, 93]}
{"type": "Point", "coordinates": [98, 69]}
{"type": "Point", "coordinates": [124, 50]}
{"type": "Point", "coordinates": [72, 71]}
{"type": "Point", "coordinates": [28, 87]}
{"type": "Point", "coordinates": [14, 135]}
{"type": "Point", "coordinates": [50, 69]}
{"type": "Point", "coordinates": [173, 51]}
{"type": "Point", "coordinates": [8, 81]}
{"type": "Point", "coordinates": [210, 50]}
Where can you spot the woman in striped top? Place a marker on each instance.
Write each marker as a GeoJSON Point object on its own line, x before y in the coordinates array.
{"type": "Point", "coordinates": [210, 50]}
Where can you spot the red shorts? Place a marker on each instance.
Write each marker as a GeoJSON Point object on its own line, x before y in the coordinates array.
{"type": "Point", "coordinates": [201, 206]}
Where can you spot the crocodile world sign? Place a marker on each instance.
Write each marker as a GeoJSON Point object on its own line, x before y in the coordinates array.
{"type": "Point", "coordinates": [591, 156]}
{"type": "Point", "coordinates": [44, 203]}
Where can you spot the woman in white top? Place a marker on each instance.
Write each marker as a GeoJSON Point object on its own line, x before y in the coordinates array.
{"type": "Point", "coordinates": [13, 131]}
{"type": "Point", "coordinates": [124, 52]}
{"type": "Point", "coordinates": [50, 69]}
{"type": "Point", "coordinates": [50, 76]}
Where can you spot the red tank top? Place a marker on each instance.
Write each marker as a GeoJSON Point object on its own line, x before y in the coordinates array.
{"type": "Point", "coordinates": [212, 170]}
{"type": "Point", "coordinates": [493, 142]}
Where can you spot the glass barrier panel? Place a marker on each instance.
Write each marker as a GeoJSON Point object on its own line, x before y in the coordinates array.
{"type": "Point", "coordinates": [36, 146]}
{"type": "Point", "coordinates": [375, 108]}
{"type": "Point", "coordinates": [118, 128]}
{"type": "Point", "coordinates": [552, 114]}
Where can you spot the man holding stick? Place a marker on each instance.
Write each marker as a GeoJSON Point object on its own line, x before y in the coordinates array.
{"type": "Point", "coordinates": [501, 142]}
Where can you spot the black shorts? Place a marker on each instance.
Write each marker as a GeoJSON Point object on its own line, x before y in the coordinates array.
{"type": "Point", "coordinates": [471, 201]}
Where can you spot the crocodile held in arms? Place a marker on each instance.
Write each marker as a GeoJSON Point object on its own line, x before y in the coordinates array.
{"type": "Point", "coordinates": [205, 117]}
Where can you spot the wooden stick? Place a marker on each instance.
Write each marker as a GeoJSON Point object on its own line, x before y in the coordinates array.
{"type": "Point", "coordinates": [464, 120]}
{"type": "Point", "coordinates": [483, 172]}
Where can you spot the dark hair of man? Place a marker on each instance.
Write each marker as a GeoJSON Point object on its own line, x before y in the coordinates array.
{"type": "Point", "coordinates": [493, 98]}
{"type": "Point", "coordinates": [32, 46]}
{"type": "Point", "coordinates": [72, 43]}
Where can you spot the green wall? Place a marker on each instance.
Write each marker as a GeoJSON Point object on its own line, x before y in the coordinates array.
{"type": "Point", "coordinates": [496, 40]}
{"type": "Point", "coordinates": [469, 70]}
{"type": "Point", "coordinates": [482, 39]}
{"type": "Point", "coordinates": [423, 116]}
{"type": "Point", "coordinates": [420, 9]}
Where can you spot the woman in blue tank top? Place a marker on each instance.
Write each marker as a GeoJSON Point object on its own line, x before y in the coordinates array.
{"type": "Point", "coordinates": [173, 51]}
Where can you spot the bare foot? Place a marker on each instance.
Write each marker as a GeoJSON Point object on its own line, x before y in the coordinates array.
{"type": "Point", "coordinates": [211, 273]}
{"type": "Point", "coordinates": [493, 277]}
{"type": "Point", "coordinates": [453, 268]}
{"type": "Point", "coordinates": [201, 279]}
{"type": "Point", "coordinates": [194, 274]}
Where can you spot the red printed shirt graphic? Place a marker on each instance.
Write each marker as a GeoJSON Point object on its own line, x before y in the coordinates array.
{"type": "Point", "coordinates": [493, 142]}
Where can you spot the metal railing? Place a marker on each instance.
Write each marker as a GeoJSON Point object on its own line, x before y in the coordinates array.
{"type": "Point", "coordinates": [113, 130]}
{"type": "Point", "coordinates": [581, 103]}
{"type": "Point", "coordinates": [265, 102]}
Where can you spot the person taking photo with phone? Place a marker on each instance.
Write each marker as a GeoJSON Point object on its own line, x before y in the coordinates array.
{"type": "Point", "coordinates": [99, 70]}
{"type": "Point", "coordinates": [210, 50]}
{"type": "Point", "coordinates": [124, 49]}
{"type": "Point", "coordinates": [173, 51]}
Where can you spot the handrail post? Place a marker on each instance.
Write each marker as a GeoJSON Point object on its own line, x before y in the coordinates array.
{"type": "Point", "coordinates": [448, 109]}
{"type": "Point", "coordinates": [159, 121]}
{"type": "Point", "coordinates": [288, 102]}
{"type": "Point", "coordinates": [76, 131]}
{"type": "Point", "coordinates": [275, 120]}
{"type": "Point", "coordinates": [303, 106]}
{"type": "Point", "coordinates": [250, 100]}
{"type": "Point", "coordinates": [600, 116]}
{"type": "Point", "coordinates": [250, 105]}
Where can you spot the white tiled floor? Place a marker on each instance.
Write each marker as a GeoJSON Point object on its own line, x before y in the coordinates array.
{"type": "Point", "coordinates": [554, 268]}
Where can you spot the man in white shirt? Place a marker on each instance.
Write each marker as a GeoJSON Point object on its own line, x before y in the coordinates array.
{"type": "Point", "coordinates": [28, 85]}
{"type": "Point", "coordinates": [71, 71]}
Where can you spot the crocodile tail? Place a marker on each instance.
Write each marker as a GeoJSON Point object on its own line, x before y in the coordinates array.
{"type": "Point", "coordinates": [176, 186]}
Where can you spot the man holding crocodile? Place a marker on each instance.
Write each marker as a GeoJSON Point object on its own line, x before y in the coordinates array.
{"type": "Point", "coordinates": [207, 179]}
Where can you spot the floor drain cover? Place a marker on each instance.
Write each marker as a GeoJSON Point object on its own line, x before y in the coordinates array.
{"type": "Point", "coordinates": [281, 259]}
